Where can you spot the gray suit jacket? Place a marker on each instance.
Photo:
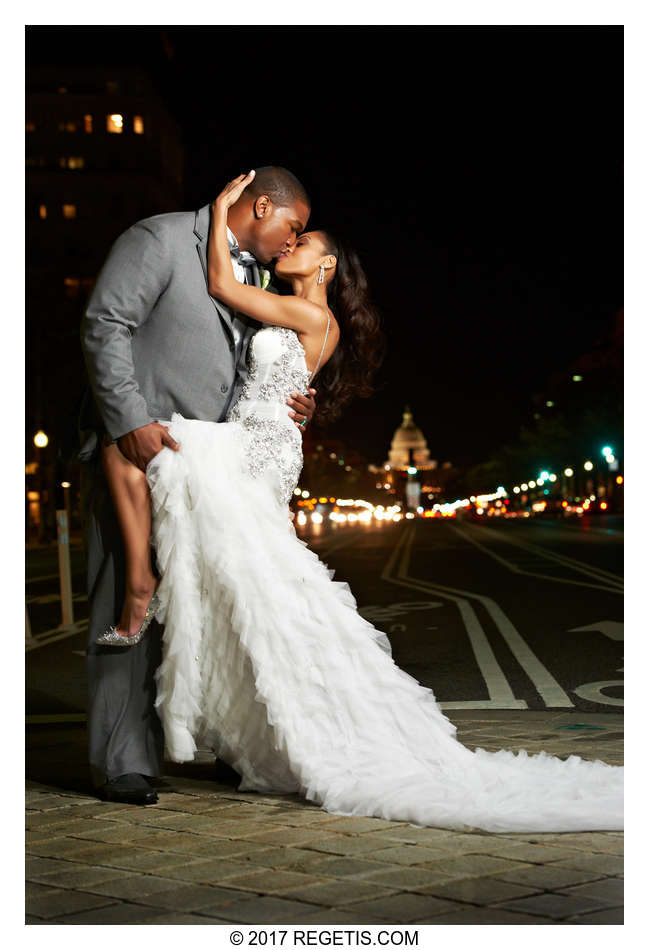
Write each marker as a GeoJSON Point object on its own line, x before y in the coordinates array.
{"type": "Point", "coordinates": [153, 339]}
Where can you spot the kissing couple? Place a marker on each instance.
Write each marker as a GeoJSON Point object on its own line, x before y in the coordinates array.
{"type": "Point", "coordinates": [238, 638]}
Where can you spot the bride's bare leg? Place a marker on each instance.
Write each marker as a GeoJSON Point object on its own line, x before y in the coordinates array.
{"type": "Point", "coordinates": [130, 493]}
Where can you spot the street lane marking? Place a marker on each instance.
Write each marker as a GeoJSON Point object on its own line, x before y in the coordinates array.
{"type": "Point", "coordinates": [540, 553]}
{"type": "Point", "coordinates": [56, 633]}
{"type": "Point", "coordinates": [42, 599]}
{"type": "Point", "coordinates": [546, 685]}
{"type": "Point", "coordinates": [593, 692]}
{"type": "Point", "coordinates": [500, 693]}
{"type": "Point", "coordinates": [599, 573]}
{"type": "Point", "coordinates": [378, 613]}
{"type": "Point", "coordinates": [581, 566]}
{"type": "Point", "coordinates": [516, 569]}
{"type": "Point", "coordinates": [612, 629]}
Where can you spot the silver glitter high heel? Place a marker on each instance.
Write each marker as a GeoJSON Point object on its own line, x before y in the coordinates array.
{"type": "Point", "coordinates": [111, 638]}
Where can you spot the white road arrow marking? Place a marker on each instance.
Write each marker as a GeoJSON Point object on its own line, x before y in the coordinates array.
{"type": "Point", "coordinates": [610, 628]}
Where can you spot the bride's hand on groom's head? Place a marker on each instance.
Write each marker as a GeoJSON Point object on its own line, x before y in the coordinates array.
{"type": "Point", "coordinates": [233, 191]}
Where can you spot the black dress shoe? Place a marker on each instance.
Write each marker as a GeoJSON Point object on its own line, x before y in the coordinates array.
{"type": "Point", "coordinates": [131, 788]}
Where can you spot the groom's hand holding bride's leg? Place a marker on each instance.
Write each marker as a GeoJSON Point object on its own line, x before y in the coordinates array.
{"type": "Point", "coordinates": [141, 445]}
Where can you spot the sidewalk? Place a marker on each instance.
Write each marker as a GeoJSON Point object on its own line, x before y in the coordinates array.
{"type": "Point", "coordinates": [207, 854]}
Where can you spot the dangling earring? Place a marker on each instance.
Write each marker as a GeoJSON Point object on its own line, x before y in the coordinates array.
{"type": "Point", "coordinates": [321, 274]}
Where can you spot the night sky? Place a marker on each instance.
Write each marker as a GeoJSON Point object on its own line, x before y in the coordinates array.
{"type": "Point", "coordinates": [477, 171]}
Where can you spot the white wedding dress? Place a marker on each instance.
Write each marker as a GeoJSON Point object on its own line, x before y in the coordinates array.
{"type": "Point", "coordinates": [267, 661]}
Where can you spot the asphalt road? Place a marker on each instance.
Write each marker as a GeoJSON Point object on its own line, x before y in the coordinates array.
{"type": "Point", "coordinates": [505, 615]}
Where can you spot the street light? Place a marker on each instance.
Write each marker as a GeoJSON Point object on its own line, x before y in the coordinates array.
{"type": "Point", "coordinates": [568, 472]}
{"type": "Point", "coordinates": [40, 439]}
{"type": "Point", "coordinates": [588, 466]}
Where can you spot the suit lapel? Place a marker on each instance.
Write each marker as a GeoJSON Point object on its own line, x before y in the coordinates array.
{"type": "Point", "coordinates": [201, 230]}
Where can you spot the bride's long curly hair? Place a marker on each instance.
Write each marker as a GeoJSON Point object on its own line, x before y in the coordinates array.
{"type": "Point", "coordinates": [349, 372]}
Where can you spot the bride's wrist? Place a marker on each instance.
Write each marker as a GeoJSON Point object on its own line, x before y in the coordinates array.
{"type": "Point", "coordinates": [218, 208]}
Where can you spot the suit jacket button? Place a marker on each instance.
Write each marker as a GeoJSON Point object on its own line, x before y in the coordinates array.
{"type": "Point", "coordinates": [224, 388]}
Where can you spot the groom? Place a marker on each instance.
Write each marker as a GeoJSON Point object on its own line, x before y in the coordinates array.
{"type": "Point", "coordinates": [155, 342]}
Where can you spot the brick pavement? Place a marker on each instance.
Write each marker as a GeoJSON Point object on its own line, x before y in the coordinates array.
{"type": "Point", "coordinates": [207, 854]}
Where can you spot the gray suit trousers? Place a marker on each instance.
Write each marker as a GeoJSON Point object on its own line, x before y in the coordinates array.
{"type": "Point", "coordinates": [124, 731]}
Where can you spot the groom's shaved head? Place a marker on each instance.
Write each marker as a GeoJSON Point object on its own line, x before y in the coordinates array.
{"type": "Point", "coordinates": [281, 186]}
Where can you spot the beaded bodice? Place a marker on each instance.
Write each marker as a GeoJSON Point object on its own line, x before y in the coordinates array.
{"type": "Point", "coordinates": [273, 445]}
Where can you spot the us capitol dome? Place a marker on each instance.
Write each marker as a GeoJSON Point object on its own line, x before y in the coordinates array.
{"type": "Point", "coordinates": [409, 447]}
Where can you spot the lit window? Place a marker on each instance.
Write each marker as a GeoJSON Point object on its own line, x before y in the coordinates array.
{"type": "Point", "coordinates": [69, 211]}
{"type": "Point", "coordinates": [87, 123]}
{"type": "Point", "coordinates": [115, 123]}
{"type": "Point", "coordinates": [71, 285]}
{"type": "Point", "coordinates": [62, 89]}
{"type": "Point", "coordinates": [72, 161]}
{"type": "Point", "coordinates": [42, 211]}
{"type": "Point", "coordinates": [68, 126]}
{"type": "Point", "coordinates": [138, 125]}
{"type": "Point", "coordinates": [30, 127]}
{"type": "Point", "coordinates": [76, 161]}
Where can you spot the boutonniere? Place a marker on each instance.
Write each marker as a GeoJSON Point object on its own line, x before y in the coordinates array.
{"type": "Point", "coordinates": [265, 278]}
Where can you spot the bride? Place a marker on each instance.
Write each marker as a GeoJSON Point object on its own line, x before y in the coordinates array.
{"type": "Point", "coordinates": [265, 657]}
